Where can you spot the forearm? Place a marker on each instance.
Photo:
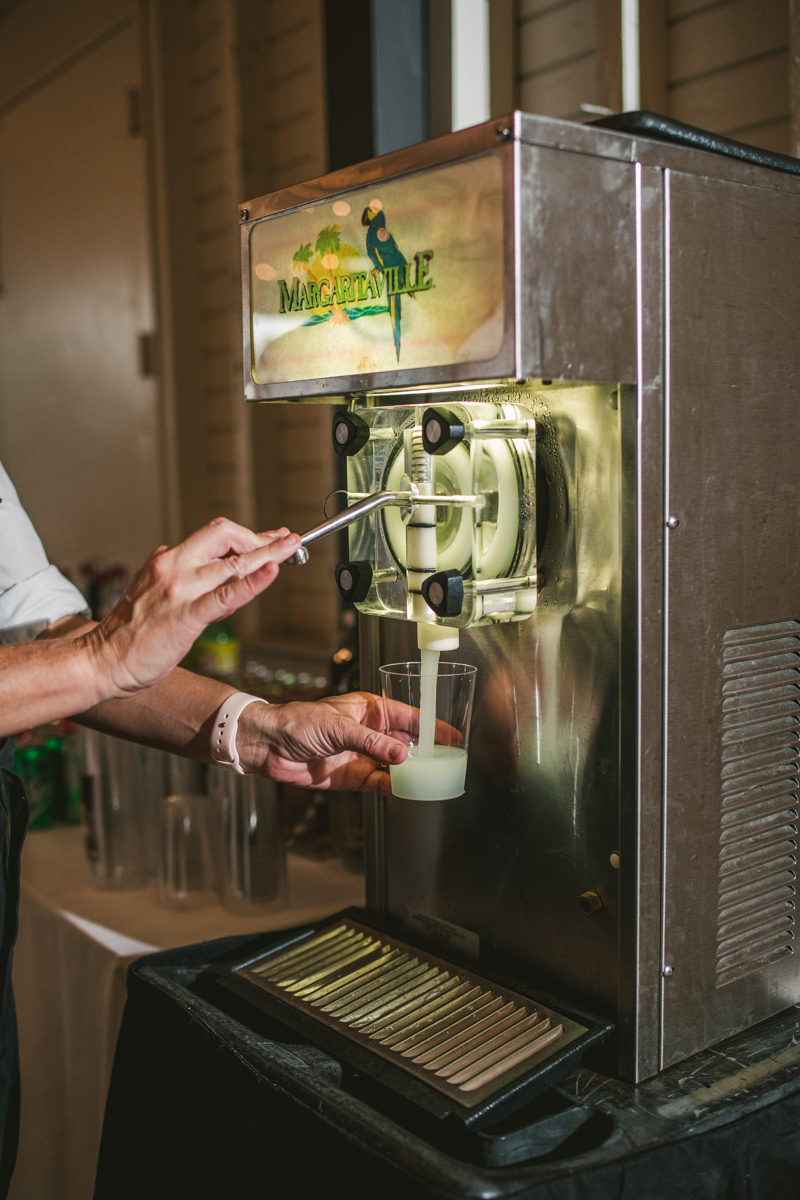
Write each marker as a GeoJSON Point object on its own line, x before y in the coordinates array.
{"type": "Point", "coordinates": [42, 681]}
{"type": "Point", "coordinates": [130, 657]}
{"type": "Point", "coordinates": [176, 714]}
{"type": "Point", "coordinates": [336, 743]}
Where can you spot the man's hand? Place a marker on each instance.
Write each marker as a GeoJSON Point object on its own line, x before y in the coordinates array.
{"type": "Point", "coordinates": [340, 743]}
{"type": "Point", "coordinates": [177, 593]}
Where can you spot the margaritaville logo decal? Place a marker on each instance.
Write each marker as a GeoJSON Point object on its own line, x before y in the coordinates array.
{"type": "Point", "coordinates": [321, 286]}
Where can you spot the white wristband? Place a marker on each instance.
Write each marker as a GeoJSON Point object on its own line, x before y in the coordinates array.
{"type": "Point", "coordinates": [226, 725]}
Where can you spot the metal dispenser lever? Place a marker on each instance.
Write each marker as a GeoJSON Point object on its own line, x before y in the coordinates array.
{"type": "Point", "coordinates": [370, 504]}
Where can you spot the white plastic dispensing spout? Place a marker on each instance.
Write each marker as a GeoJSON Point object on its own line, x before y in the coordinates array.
{"type": "Point", "coordinates": [436, 637]}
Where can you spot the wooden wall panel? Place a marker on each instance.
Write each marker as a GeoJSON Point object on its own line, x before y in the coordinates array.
{"type": "Point", "coordinates": [559, 35]}
{"type": "Point", "coordinates": [531, 8]}
{"type": "Point", "coordinates": [284, 140]}
{"type": "Point", "coordinates": [294, 472]}
{"type": "Point", "coordinates": [568, 55]}
{"type": "Point", "coordinates": [214, 133]}
{"type": "Point", "coordinates": [723, 65]}
{"type": "Point", "coordinates": [728, 68]}
{"type": "Point", "coordinates": [243, 110]}
{"type": "Point", "coordinates": [559, 92]}
{"type": "Point", "coordinates": [607, 20]}
{"type": "Point", "coordinates": [199, 189]}
{"type": "Point", "coordinates": [719, 35]}
{"type": "Point", "coordinates": [283, 93]}
{"type": "Point", "coordinates": [737, 99]}
{"type": "Point", "coordinates": [502, 61]}
{"type": "Point", "coordinates": [652, 55]}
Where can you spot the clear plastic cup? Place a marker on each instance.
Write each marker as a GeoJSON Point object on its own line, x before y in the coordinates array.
{"type": "Point", "coordinates": [113, 784]}
{"type": "Point", "coordinates": [428, 706]}
{"type": "Point", "coordinates": [251, 849]}
{"type": "Point", "coordinates": [186, 871]}
{"type": "Point", "coordinates": [165, 775]}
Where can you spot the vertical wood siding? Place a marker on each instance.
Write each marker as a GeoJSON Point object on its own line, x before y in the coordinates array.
{"type": "Point", "coordinates": [284, 141]}
{"type": "Point", "coordinates": [244, 84]}
{"type": "Point", "coordinates": [205, 186]}
{"type": "Point", "coordinates": [281, 49]}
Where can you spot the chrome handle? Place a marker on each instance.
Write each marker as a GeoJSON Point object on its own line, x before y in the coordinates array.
{"type": "Point", "coordinates": [371, 504]}
{"type": "Point", "coordinates": [346, 517]}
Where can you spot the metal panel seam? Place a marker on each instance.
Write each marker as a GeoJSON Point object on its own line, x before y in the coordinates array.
{"type": "Point", "coordinates": [517, 251]}
{"type": "Point", "coordinates": [665, 618]}
{"type": "Point", "coordinates": [639, 487]}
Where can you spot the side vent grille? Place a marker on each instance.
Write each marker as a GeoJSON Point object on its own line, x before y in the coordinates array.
{"type": "Point", "coordinates": [760, 772]}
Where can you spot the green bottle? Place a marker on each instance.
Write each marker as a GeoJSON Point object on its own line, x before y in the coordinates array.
{"type": "Point", "coordinates": [35, 764]}
{"type": "Point", "coordinates": [217, 650]}
{"type": "Point", "coordinates": [72, 772]}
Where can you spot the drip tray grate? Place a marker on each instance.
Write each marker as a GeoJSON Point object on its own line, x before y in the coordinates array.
{"type": "Point", "coordinates": [452, 1029]}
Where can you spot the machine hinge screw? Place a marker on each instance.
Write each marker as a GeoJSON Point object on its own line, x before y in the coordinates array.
{"type": "Point", "coordinates": [244, 214]}
{"type": "Point", "coordinates": [503, 131]}
{"type": "Point", "coordinates": [672, 522]}
{"type": "Point", "coordinates": [668, 971]}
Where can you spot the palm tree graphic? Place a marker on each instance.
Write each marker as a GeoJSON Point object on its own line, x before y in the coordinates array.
{"type": "Point", "coordinates": [327, 244]}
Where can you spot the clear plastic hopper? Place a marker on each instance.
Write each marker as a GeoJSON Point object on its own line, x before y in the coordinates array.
{"type": "Point", "coordinates": [442, 513]}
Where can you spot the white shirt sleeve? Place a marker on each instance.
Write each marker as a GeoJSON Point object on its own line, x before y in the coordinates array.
{"type": "Point", "coordinates": [32, 591]}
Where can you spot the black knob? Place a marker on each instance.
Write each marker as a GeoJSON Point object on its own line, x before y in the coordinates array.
{"type": "Point", "coordinates": [350, 433]}
{"type": "Point", "coordinates": [444, 593]}
{"type": "Point", "coordinates": [440, 430]}
{"type": "Point", "coordinates": [353, 580]}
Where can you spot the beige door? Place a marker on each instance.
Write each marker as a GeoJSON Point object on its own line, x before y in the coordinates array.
{"type": "Point", "coordinates": [79, 422]}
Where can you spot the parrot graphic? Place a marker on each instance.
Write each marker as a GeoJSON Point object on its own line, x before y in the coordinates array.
{"type": "Point", "coordinates": [383, 252]}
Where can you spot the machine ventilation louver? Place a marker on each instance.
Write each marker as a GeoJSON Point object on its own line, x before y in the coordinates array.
{"type": "Point", "coordinates": [760, 773]}
{"type": "Point", "coordinates": [472, 1041]}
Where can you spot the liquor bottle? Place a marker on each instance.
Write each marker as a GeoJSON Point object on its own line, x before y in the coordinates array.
{"type": "Point", "coordinates": [217, 651]}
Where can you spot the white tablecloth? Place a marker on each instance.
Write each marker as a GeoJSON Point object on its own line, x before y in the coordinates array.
{"type": "Point", "coordinates": [73, 951]}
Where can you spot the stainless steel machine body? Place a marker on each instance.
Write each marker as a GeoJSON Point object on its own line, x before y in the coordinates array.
{"type": "Point", "coordinates": [635, 737]}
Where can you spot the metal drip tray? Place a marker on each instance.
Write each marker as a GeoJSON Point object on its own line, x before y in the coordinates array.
{"type": "Point", "coordinates": [449, 1028]}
